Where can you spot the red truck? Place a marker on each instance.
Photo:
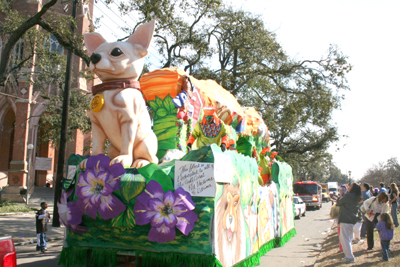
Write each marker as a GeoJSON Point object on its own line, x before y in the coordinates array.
{"type": "Point", "coordinates": [310, 192]}
{"type": "Point", "coordinates": [8, 256]}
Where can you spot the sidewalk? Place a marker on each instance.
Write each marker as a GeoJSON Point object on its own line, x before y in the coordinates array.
{"type": "Point", "coordinates": [22, 226]}
{"type": "Point", "coordinates": [331, 256]}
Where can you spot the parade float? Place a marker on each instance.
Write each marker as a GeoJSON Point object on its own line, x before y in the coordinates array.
{"type": "Point", "coordinates": [201, 187]}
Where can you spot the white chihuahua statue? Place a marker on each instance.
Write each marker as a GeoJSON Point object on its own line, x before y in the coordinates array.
{"type": "Point", "coordinates": [118, 110]}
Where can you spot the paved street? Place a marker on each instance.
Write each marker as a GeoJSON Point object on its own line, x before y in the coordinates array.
{"type": "Point", "coordinates": [27, 256]}
{"type": "Point", "coordinates": [303, 248]}
{"type": "Point", "coordinates": [24, 227]}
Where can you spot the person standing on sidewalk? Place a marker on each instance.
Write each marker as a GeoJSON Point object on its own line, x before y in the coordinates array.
{"type": "Point", "coordinates": [374, 207]}
{"type": "Point", "coordinates": [42, 218]}
{"type": "Point", "coordinates": [382, 188]}
{"type": "Point", "coordinates": [366, 194]}
{"type": "Point", "coordinates": [385, 227]}
{"type": "Point", "coordinates": [342, 192]}
{"type": "Point", "coordinates": [394, 195]}
{"type": "Point", "coordinates": [348, 204]}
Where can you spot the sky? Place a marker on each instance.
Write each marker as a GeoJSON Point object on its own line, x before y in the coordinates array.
{"type": "Point", "coordinates": [368, 32]}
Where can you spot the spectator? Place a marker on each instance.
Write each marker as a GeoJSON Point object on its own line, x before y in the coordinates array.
{"type": "Point", "coordinates": [394, 195]}
{"type": "Point", "coordinates": [371, 189]}
{"type": "Point", "coordinates": [42, 218]}
{"type": "Point", "coordinates": [342, 190]}
{"type": "Point", "coordinates": [385, 228]}
{"type": "Point", "coordinates": [374, 207]}
{"type": "Point", "coordinates": [366, 194]}
{"type": "Point", "coordinates": [376, 192]}
{"type": "Point", "coordinates": [348, 204]}
{"type": "Point", "coordinates": [382, 188]}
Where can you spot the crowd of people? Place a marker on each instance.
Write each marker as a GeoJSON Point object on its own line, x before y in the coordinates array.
{"type": "Point", "coordinates": [362, 209]}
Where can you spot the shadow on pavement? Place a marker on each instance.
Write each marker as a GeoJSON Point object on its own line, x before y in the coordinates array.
{"type": "Point", "coordinates": [42, 263]}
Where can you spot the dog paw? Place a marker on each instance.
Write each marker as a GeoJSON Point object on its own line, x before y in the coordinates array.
{"type": "Point", "coordinates": [125, 160]}
{"type": "Point", "coordinates": [82, 165]}
{"type": "Point", "coordinates": [140, 163]}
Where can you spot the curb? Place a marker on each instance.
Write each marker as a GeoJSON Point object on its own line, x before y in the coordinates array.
{"type": "Point", "coordinates": [17, 213]}
{"type": "Point", "coordinates": [34, 241]}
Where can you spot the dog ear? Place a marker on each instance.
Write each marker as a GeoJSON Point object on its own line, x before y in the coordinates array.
{"type": "Point", "coordinates": [93, 40]}
{"type": "Point", "coordinates": [142, 36]}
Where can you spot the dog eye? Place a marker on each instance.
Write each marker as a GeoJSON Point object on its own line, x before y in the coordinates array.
{"type": "Point", "coordinates": [116, 52]}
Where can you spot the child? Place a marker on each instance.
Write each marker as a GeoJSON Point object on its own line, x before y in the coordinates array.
{"type": "Point", "coordinates": [42, 218]}
{"type": "Point", "coordinates": [385, 227]}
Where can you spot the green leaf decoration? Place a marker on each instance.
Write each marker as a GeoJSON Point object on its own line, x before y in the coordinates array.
{"type": "Point", "coordinates": [126, 219]}
{"type": "Point", "coordinates": [152, 104]}
{"type": "Point", "coordinates": [162, 112]}
{"type": "Point", "coordinates": [165, 182]}
{"type": "Point", "coordinates": [132, 185]}
{"type": "Point", "coordinates": [168, 104]}
{"type": "Point", "coordinates": [159, 102]}
{"type": "Point", "coordinates": [148, 170]}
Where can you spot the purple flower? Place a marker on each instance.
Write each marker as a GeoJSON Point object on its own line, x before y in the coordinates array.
{"type": "Point", "coordinates": [164, 212]}
{"type": "Point", "coordinates": [96, 185]}
{"type": "Point", "coordinates": [70, 213]}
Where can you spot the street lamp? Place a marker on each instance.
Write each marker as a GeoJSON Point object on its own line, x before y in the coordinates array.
{"type": "Point", "coordinates": [30, 148]}
{"type": "Point", "coordinates": [349, 177]}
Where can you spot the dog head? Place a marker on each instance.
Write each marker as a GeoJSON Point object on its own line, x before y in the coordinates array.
{"type": "Point", "coordinates": [119, 60]}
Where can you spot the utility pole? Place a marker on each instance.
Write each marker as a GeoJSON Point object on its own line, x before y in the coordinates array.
{"type": "Point", "coordinates": [30, 148]}
{"type": "Point", "coordinates": [64, 129]}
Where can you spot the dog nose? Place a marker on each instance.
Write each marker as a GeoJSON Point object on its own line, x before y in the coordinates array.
{"type": "Point", "coordinates": [230, 219]}
{"type": "Point", "coordinates": [95, 58]}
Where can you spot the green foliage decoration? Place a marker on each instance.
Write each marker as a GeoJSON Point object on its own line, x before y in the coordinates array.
{"type": "Point", "coordinates": [125, 220]}
{"type": "Point", "coordinates": [164, 116]}
{"type": "Point", "coordinates": [132, 184]}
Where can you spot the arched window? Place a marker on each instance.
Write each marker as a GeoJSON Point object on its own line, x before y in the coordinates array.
{"type": "Point", "coordinates": [18, 51]}
{"type": "Point", "coordinates": [55, 45]}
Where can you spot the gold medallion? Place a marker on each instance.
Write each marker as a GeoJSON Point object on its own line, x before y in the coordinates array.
{"type": "Point", "coordinates": [97, 103]}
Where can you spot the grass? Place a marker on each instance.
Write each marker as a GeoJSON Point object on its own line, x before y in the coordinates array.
{"type": "Point", "coordinates": [331, 256]}
{"type": "Point", "coordinates": [6, 206]}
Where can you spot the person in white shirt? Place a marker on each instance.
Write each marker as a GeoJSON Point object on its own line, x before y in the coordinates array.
{"type": "Point", "coordinates": [374, 206]}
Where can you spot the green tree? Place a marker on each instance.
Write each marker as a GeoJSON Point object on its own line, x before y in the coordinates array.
{"type": "Point", "coordinates": [337, 176]}
{"type": "Point", "coordinates": [20, 28]}
{"type": "Point", "coordinates": [27, 43]}
{"type": "Point", "coordinates": [295, 98]}
{"type": "Point", "coordinates": [77, 119]}
{"type": "Point", "coordinates": [310, 167]}
{"type": "Point", "coordinates": [387, 173]}
{"type": "Point", "coordinates": [181, 28]}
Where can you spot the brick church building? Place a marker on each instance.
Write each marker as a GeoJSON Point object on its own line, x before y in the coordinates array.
{"type": "Point", "coordinates": [21, 110]}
